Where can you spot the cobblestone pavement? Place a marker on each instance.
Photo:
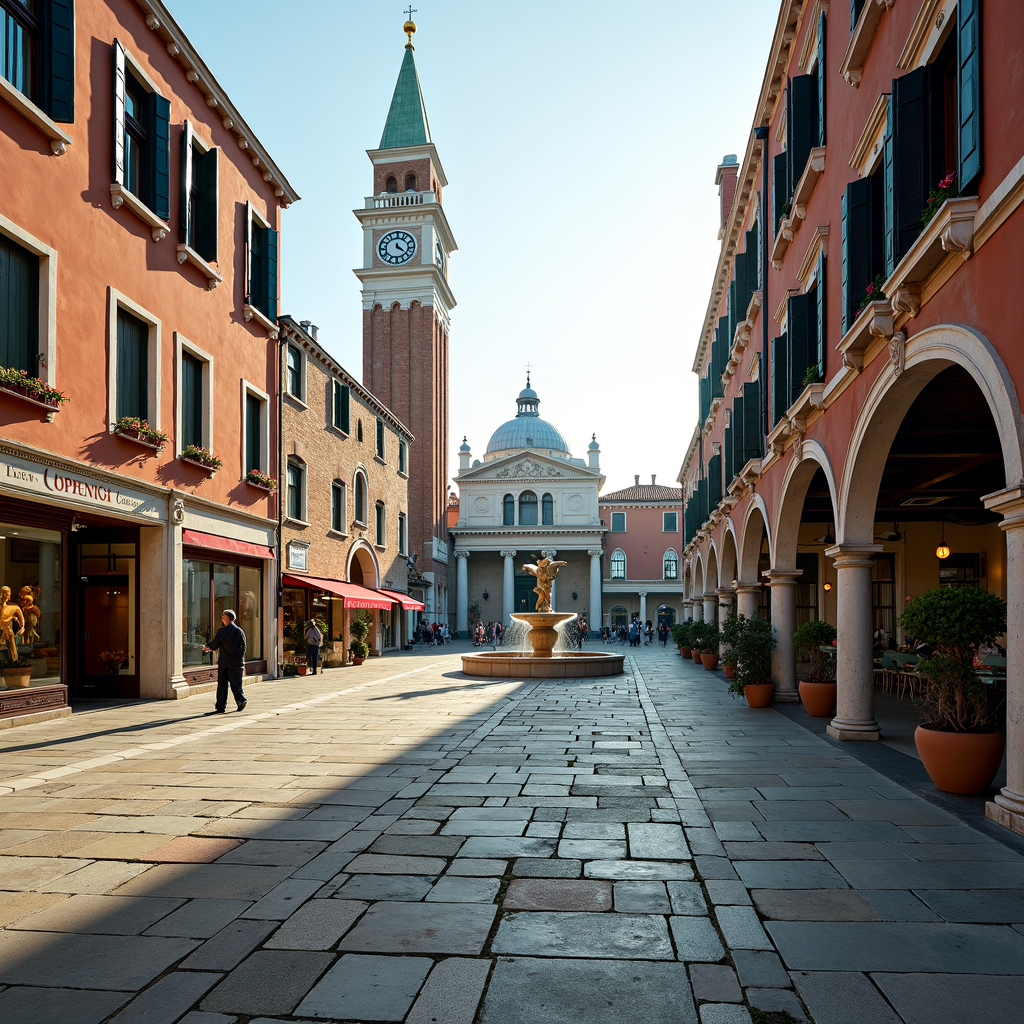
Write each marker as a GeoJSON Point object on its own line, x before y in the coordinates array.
{"type": "Point", "coordinates": [400, 842]}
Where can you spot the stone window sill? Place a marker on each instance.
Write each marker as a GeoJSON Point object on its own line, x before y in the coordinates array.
{"type": "Point", "coordinates": [295, 400]}
{"type": "Point", "coordinates": [289, 521]}
{"type": "Point", "coordinates": [186, 254]}
{"type": "Point", "coordinates": [338, 534]}
{"type": "Point", "coordinates": [120, 196]}
{"type": "Point", "coordinates": [379, 460]}
{"type": "Point", "coordinates": [873, 322]}
{"type": "Point", "coordinates": [59, 139]}
{"type": "Point", "coordinates": [252, 313]}
{"type": "Point", "coordinates": [863, 35]}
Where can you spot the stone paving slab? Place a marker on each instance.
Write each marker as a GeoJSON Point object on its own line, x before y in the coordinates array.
{"type": "Point", "coordinates": [269, 982]}
{"type": "Point", "coordinates": [927, 998]}
{"type": "Point", "coordinates": [27, 1005]}
{"type": "Point", "coordinates": [453, 928]}
{"type": "Point", "coordinates": [101, 915]}
{"type": "Point", "coordinates": [612, 936]}
{"type": "Point", "coordinates": [452, 992]}
{"type": "Point", "coordinates": [367, 988]}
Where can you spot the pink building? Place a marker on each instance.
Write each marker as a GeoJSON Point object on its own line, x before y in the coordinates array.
{"type": "Point", "coordinates": [642, 550]}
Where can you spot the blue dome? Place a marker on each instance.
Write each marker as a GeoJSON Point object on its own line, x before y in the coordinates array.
{"type": "Point", "coordinates": [527, 430]}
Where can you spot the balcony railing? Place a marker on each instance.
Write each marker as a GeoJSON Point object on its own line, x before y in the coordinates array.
{"type": "Point", "coordinates": [387, 200]}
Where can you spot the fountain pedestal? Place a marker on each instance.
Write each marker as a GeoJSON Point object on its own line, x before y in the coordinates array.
{"type": "Point", "coordinates": [543, 633]}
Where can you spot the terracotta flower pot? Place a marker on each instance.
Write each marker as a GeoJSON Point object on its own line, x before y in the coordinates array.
{"type": "Point", "coordinates": [17, 678]}
{"type": "Point", "coordinates": [302, 669]}
{"type": "Point", "coordinates": [819, 699]}
{"type": "Point", "coordinates": [709, 661]}
{"type": "Point", "coordinates": [729, 669]}
{"type": "Point", "coordinates": [960, 762]}
{"type": "Point", "coordinates": [758, 695]}
{"type": "Point", "coordinates": [357, 661]}
{"type": "Point", "coordinates": [686, 652]}
{"type": "Point", "coordinates": [695, 654]}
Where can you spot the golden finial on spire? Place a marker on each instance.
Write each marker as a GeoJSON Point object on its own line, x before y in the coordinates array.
{"type": "Point", "coordinates": [409, 27]}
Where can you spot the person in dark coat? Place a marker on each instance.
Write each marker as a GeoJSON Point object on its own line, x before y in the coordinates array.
{"type": "Point", "coordinates": [229, 640]}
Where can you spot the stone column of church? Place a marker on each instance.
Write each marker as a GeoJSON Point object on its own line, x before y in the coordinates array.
{"type": "Point", "coordinates": [596, 611]}
{"type": "Point", "coordinates": [462, 600]}
{"type": "Point", "coordinates": [508, 585]}
{"type": "Point", "coordinates": [643, 607]}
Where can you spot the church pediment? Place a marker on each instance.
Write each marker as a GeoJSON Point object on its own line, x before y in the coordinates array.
{"type": "Point", "coordinates": [526, 466]}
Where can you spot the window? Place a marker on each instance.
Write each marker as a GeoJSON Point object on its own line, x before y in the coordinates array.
{"type": "Point", "coordinates": [261, 246]}
{"type": "Point", "coordinates": [339, 506]}
{"type": "Point", "coordinates": [863, 219]}
{"type": "Point", "coordinates": [208, 588]}
{"type": "Point", "coordinates": [670, 565]}
{"type": "Point", "coordinates": [380, 438]}
{"type": "Point", "coordinates": [191, 401]}
{"type": "Point", "coordinates": [198, 200]}
{"type": "Point", "coordinates": [380, 524]}
{"type": "Point", "coordinates": [403, 457]}
{"type": "Point", "coordinates": [360, 510]}
{"type": "Point", "coordinates": [618, 522]}
{"type": "Point", "coordinates": [296, 487]}
{"type": "Point", "coordinates": [403, 534]}
{"type": "Point", "coordinates": [669, 522]}
{"type": "Point", "coordinates": [132, 366]}
{"type": "Point", "coordinates": [547, 517]}
{"type": "Point", "coordinates": [508, 511]}
{"type": "Point", "coordinates": [37, 53]}
{"type": "Point", "coordinates": [293, 372]}
{"type": "Point", "coordinates": [391, 185]}
{"type": "Point", "coordinates": [254, 409]}
{"type": "Point", "coordinates": [19, 307]}
{"type": "Point", "coordinates": [619, 616]}
{"type": "Point", "coordinates": [359, 431]}
{"type": "Point", "coordinates": [410, 183]}
{"type": "Point", "coordinates": [141, 136]}
{"type": "Point", "coordinates": [618, 565]}
{"type": "Point", "coordinates": [341, 404]}
{"type": "Point", "coordinates": [527, 509]}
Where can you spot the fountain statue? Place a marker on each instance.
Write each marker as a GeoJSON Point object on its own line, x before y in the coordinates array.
{"type": "Point", "coordinates": [545, 570]}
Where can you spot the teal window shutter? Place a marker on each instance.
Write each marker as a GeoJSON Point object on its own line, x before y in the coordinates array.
{"type": "Point", "coordinates": [753, 252]}
{"type": "Point", "coordinates": [191, 400]}
{"type": "Point", "coordinates": [780, 187]}
{"type": "Point", "coordinates": [738, 425]}
{"type": "Point", "coordinates": [742, 295]}
{"type": "Point", "coordinates": [803, 344]}
{"type": "Point", "coordinates": [888, 198]}
{"type": "Point", "coordinates": [19, 307]}
{"type": "Point", "coordinates": [208, 210]}
{"type": "Point", "coordinates": [714, 482]}
{"type": "Point", "coordinates": [911, 161]}
{"type": "Point", "coordinates": [59, 60]}
{"type": "Point", "coordinates": [863, 241]}
{"type": "Point", "coordinates": [780, 378]}
{"type": "Point", "coordinates": [822, 316]}
{"type": "Point", "coordinates": [968, 15]}
{"type": "Point", "coordinates": [705, 398]}
{"type": "Point", "coordinates": [856, 6]}
{"type": "Point", "coordinates": [804, 129]}
{"type": "Point", "coordinates": [160, 155]}
{"type": "Point", "coordinates": [253, 432]}
{"type": "Point", "coordinates": [752, 437]}
{"type": "Point", "coordinates": [271, 272]}
{"type": "Point", "coordinates": [714, 361]}
{"type": "Point", "coordinates": [727, 453]}
{"type": "Point", "coordinates": [821, 79]}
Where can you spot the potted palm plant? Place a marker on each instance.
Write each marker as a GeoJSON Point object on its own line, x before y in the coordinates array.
{"type": "Point", "coordinates": [957, 740]}
{"type": "Point", "coordinates": [732, 628]}
{"type": "Point", "coordinates": [818, 687]}
{"type": "Point", "coordinates": [704, 637]}
{"type": "Point", "coordinates": [754, 645]}
{"type": "Point", "coordinates": [359, 630]}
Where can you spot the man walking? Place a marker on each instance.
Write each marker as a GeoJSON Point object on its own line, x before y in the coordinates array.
{"type": "Point", "coordinates": [230, 641]}
{"type": "Point", "coordinates": [314, 641]}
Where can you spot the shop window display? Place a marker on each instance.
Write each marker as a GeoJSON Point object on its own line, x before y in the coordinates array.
{"type": "Point", "coordinates": [210, 588]}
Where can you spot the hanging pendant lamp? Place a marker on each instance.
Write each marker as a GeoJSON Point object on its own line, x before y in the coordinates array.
{"type": "Point", "coordinates": [942, 551]}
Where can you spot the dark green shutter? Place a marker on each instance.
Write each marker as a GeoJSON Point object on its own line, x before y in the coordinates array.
{"type": "Point", "coordinates": [714, 359]}
{"type": "Point", "coordinates": [803, 342]}
{"type": "Point", "coordinates": [738, 426]}
{"type": "Point", "coordinates": [780, 186]}
{"type": "Point", "coordinates": [714, 482]}
{"type": "Point", "coordinates": [341, 406]}
{"type": "Point", "coordinates": [191, 400]}
{"type": "Point", "coordinates": [780, 378]}
{"type": "Point", "coordinates": [822, 316]}
{"type": "Point", "coordinates": [856, 6]}
{"type": "Point", "coordinates": [207, 171]}
{"type": "Point", "coordinates": [19, 307]}
{"type": "Point", "coordinates": [132, 366]}
{"type": "Point", "coordinates": [863, 252]}
{"type": "Point", "coordinates": [160, 155]}
{"type": "Point", "coordinates": [271, 270]}
{"type": "Point", "coordinates": [727, 459]}
{"type": "Point", "coordinates": [705, 398]}
{"type": "Point", "coordinates": [821, 79]}
{"type": "Point", "coordinates": [59, 62]}
{"type": "Point", "coordinates": [742, 284]}
{"type": "Point", "coordinates": [804, 93]}
{"type": "Point", "coordinates": [752, 437]}
{"type": "Point", "coordinates": [889, 198]}
{"type": "Point", "coordinates": [753, 261]}
{"type": "Point", "coordinates": [253, 433]}
{"type": "Point", "coordinates": [912, 146]}
{"type": "Point", "coordinates": [968, 16]}
{"type": "Point", "coordinates": [185, 182]}
{"type": "Point", "coordinates": [380, 437]}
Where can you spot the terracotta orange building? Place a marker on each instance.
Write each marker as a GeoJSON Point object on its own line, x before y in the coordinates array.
{"type": "Point", "coordinates": [860, 435]}
{"type": "Point", "coordinates": [139, 220]}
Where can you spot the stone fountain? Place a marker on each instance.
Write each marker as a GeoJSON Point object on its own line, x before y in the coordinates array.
{"type": "Point", "coordinates": [542, 661]}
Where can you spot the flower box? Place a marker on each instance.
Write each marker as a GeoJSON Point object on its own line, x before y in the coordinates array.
{"type": "Point", "coordinates": [254, 478]}
{"type": "Point", "coordinates": [139, 438]}
{"type": "Point", "coordinates": [133, 429]}
{"type": "Point", "coordinates": [31, 389]}
{"type": "Point", "coordinates": [202, 465]}
{"type": "Point", "coordinates": [194, 455]}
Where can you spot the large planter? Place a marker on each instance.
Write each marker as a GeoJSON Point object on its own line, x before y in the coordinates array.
{"type": "Point", "coordinates": [357, 661]}
{"type": "Point", "coordinates": [960, 762]}
{"type": "Point", "coordinates": [729, 669]}
{"type": "Point", "coordinates": [819, 699]}
{"type": "Point", "coordinates": [686, 652]}
{"type": "Point", "coordinates": [18, 677]}
{"type": "Point", "coordinates": [758, 695]}
{"type": "Point", "coordinates": [709, 661]}
{"type": "Point", "coordinates": [302, 669]}
{"type": "Point", "coordinates": [695, 654]}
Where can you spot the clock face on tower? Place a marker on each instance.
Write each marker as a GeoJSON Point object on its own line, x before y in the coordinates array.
{"type": "Point", "coordinates": [396, 248]}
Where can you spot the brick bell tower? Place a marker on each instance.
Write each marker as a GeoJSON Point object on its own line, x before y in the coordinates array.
{"type": "Point", "coordinates": [406, 309]}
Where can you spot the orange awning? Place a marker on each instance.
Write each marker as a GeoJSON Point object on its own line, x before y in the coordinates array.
{"type": "Point", "coordinates": [354, 596]}
{"type": "Point", "coordinates": [215, 543]}
{"type": "Point", "coordinates": [409, 604]}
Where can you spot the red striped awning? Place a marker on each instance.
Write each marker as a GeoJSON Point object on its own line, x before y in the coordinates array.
{"type": "Point", "coordinates": [238, 547]}
{"type": "Point", "coordinates": [409, 604]}
{"type": "Point", "coordinates": [354, 595]}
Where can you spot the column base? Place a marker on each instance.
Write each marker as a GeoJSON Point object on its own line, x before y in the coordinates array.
{"type": "Point", "coordinates": [785, 696]}
{"type": "Point", "coordinates": [849, 729]}
{"type": "Point", "coordinates": [1007, 809]}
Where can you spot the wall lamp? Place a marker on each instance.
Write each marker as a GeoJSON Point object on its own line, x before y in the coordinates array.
{"type": "Point", "coordinates": [574, 595]}
{"type": "Point", "coordinates": [828, 586]}
{"type": "Point", "coordinates": [486, 595]}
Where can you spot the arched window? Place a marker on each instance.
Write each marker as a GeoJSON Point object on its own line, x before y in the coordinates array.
{"type": "Point", "coordinates": [339, 506]}
{"type": "Point", "coordinates": [527, 509]}
{"type": "Point", "coordinates": [547, 508]}
{"type": "Point", "coordinates": [391, 185]}
{"type": "Point", "coordinates": [618, 570]}
{"type": "Point", "coordinates": [360, 498]}
{"type": "Point", "coordinates": [410, 183]}
{"type": "Point", "coordinates": [671, 565]}
{"type": "Point", "coordinates": [619, 615]}
{"type": "Point", "coordinates": [380, 525]}
{"type": "Point", "coordinates": [508, 514]}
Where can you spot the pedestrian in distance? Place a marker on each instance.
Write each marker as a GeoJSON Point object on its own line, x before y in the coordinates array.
{"type": "Point", "coordinates": [229, 641]}
{"type": "Point", "coordinates": [314, 641]}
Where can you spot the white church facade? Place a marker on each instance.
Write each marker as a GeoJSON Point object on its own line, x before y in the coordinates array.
{"type": "Point", "coordinates": [528, 498]}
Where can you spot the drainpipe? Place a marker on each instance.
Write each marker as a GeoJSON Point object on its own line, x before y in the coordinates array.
{"type": "Point", "coordinates": [280, 494]}
{"type": "Point", "coordinates": [761, 134]}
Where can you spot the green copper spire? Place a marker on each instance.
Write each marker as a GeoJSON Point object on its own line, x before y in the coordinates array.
{"type": "Point", "coordinates": [407, 119]}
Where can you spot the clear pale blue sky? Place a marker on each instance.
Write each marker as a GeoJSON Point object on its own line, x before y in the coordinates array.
{"type": "Point", "coordinates": [580, 141]}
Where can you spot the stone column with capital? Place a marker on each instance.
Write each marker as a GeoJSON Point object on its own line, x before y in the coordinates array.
{"type": "Point", "coordinates": [643, 607]}
{"type": "Point", "coordinates": [783, 586]}
{"type": "Point", "coordinates": [725, 606]}
{"type": "Point", "coordinates": [855, 666]}
{"type": "Point", "coordinates": [596, 609]}
{"type": "Point", "coordinates": [462, 600]}
{"type": "Point", "coordinates": [746, 599]}
{"type": "Point", "coordinates": [710, 606]}
{"type": "Point", "coordinates": [508, 585]}
{"type": "Point", "coordinates": [1008, 806]}
{"type": "Point", "coordinates": [687, 610]}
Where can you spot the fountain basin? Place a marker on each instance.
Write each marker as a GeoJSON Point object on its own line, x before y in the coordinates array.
{"type": "Point", "coordinates": [543, 633]}
{"type": "Point", "coordinates": [523, 665]}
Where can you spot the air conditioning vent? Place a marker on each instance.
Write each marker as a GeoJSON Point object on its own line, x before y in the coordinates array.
{"type": "Point", "coordinates": [921, 500]}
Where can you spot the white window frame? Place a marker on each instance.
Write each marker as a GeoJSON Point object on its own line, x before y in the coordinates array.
{"type": "Point", "coordinates": [337, 482]}
{"type": "Point", "coordinates": [664, 528]}
{"type": "Point", "coordinates": [248, 388]}
{"type": "Point", "coordinates": [47, 340]}
{"type": "Point", "coordinates": [117, 300]}
{"type": "Point", "coordinates": [403, 458]}
{"type": "Point", "coordinates": [303, 490]}
{"type": "Point", "coordinates": [611, 525]}
{"type": "Point", "coordinates": [380, 525]}
{"type": "Point", "coordinates": [611, 565]}
{"type": "Point", "coordinates": [302, 375]}
{"type": "Point", "coordinates": [403, 533]}
{"type": "Point", "coordinates": [182, 346]}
